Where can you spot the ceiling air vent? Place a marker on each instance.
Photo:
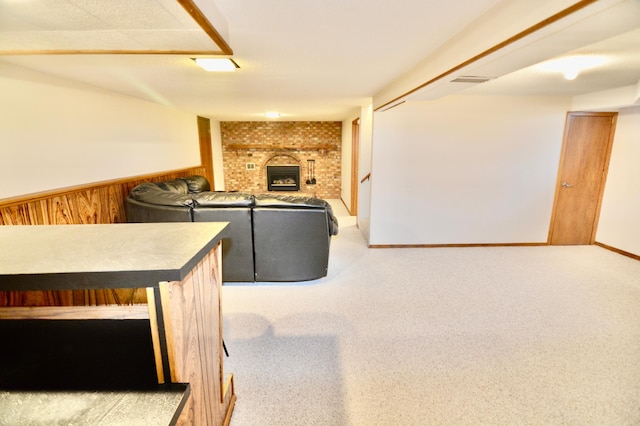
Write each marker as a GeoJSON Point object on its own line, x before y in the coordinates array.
{"type": "Point", "coordinates": [471, 79]}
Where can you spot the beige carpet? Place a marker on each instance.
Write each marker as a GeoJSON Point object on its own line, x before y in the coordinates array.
{"type": "Point", "coordinates": [451, 336]}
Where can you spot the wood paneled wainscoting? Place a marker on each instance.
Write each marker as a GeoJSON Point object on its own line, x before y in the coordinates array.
{"type": "Point", "coordinates": [96, 203]}
{"type": "Point", "coordinates": [101, 202]}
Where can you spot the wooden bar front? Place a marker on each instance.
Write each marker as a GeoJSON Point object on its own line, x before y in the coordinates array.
{"type": "Point", "coordinates": [125, 263]}
{"type": "Point", "coordinates": [191, 311]}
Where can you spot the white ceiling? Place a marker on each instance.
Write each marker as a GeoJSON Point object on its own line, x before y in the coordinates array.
{"type": "Point", "coordinates": [310, 60]}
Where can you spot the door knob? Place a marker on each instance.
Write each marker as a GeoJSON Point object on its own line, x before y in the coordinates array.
{"type": "Point", "coordinates": [566, 185]}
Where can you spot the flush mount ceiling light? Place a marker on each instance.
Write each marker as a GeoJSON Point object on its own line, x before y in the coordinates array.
{"type": "Point", "coordinates": [217, 64]}
{"type": "Point", "coordinates": [471, 79]}
{"type": "Point", "coordinates": [272, 114]}
{"type": "Point", "coordinates": [571, 66]}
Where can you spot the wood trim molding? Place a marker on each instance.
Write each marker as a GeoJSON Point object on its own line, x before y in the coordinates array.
{"type": "Point", "coordinates": [118, 312]}
{"type": "Point", "coordinates": [110, 52]}
{"type": "Point", "coordinates": [206, 26]}
{"type": "Point", "coordinates": [532, 29]}
{"type": "Point", "coordinates": [355, 166]}
{"type": "Point", "coordinates": [615, 250]}
{"type": "Point", "coordinates": [20, 199]}
{"type": "Point", "coordinates": [229, 393]}
{"type": "Point", "coordinates": [392, 106]}
{"type": "Point", "coordinates": [206, 151]}
{"type": "Point", "coordinates": [267, 147]}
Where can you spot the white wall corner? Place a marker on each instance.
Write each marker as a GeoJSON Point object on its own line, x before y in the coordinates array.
{"type": "Point", "coordinates": [612, 99]}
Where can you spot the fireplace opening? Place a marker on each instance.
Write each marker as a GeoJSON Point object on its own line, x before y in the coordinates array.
{"type": "Point", "coordinates": [283, 178]}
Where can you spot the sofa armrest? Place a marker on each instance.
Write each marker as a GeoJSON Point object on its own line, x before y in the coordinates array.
{"type": "Point", "coordinates": [297, 202]}
{"type": "Point", "coordinates": [151, 193]}
{"type": "Point", "coordinates": [196, 184]}
{"type": "Point", "coordinates": [223, 199]}
{"type": "Point", "coordinates": [144, 212]}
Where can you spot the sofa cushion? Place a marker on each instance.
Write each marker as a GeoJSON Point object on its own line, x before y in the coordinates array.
{"type": "Point", "coordinates": [197, 184]}
{"type": "Point", "coordinates": [178, 186]}
{"type": "Point", "coordinates": [223, 199]}
{"type": "Point", "coordinates": [291, 201]}
{"type": "Point", "coordinates": [152, 193]}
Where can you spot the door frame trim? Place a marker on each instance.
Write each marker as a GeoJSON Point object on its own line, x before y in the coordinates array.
{"type": "Point", "coordinates": [206, 150]}
{"type": "Point", "coordinates": [355, 149]}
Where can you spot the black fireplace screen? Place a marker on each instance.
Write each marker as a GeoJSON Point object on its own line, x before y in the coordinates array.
{"type": "Point", "coordinates": [283, 178]}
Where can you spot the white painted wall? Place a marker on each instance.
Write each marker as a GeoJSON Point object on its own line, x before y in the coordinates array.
{"type": "Point", "coordinates": [458, 170]}
{"type": "Point", "coordinates": [466, 169]}
{"type": "Point", "coordinates": [619, 224]}
{"type": "Point", "coordinates": [607, 100]}
{"type": "Point", "coordinates": [60, 135]}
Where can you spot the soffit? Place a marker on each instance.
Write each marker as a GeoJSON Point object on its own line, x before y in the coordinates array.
{"type": "Point", "coordinates": [76, 26]}
{"type": "Point", "coordinates": [612, 33]}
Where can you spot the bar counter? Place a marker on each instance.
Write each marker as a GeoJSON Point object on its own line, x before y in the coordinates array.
{"type": "Point", "coordinates": [62, 257]}
{"type": "Point", "coordinates": [176, 266]}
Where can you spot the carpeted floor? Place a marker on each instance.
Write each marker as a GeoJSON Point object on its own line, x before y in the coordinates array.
{"type": "Point", "coordinates": [451, 336]}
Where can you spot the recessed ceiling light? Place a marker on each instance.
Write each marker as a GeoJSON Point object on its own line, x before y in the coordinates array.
{"type": "Point", "coordinates": [571, 66]}
{"type": "Point", "coordinates": [272, 114]}
{"type": "Point", "coordinates": [217, 64]}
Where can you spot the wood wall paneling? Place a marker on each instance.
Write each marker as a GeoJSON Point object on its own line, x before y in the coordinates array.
{"type": "Point", "coordinates": [102, 202]}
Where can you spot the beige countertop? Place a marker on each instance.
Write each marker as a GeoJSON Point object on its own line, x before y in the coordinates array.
{"type": "Point", "coordinates": [131, 255]}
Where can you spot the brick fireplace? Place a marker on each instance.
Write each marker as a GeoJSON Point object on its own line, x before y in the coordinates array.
{"type": "Point", "coordinates": [283, 178]}
{"type": "Point", "coordinates": [249, 148]}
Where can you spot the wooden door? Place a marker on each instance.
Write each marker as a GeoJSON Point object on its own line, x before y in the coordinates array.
{"type": "Point", "coordinates": [206, 152]}
{"type": "Point", "coordinates": [583, 169]}
{"type": "Point", "coordinates": [355, 147]}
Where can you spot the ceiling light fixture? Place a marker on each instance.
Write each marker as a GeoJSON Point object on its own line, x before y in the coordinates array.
{"type": "Point", "coordinates": [272, 114]}
{"type": "Point", "coordinates": [471, 79]}
{"type": "Point", "coordinates": [217, 64]}
{"type": "Point", "coordinates": [571, 66]}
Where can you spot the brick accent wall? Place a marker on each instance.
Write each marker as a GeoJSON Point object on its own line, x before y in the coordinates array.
{"type": "Point", "coordinates": [256, 144]}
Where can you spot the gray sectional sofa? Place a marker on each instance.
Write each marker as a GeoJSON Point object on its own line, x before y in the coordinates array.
{"type": "Point", "coordinates": [270, 238]}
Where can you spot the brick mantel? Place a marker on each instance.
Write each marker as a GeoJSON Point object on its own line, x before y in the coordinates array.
{"type": "Point", "coordinates": [261, 147]}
